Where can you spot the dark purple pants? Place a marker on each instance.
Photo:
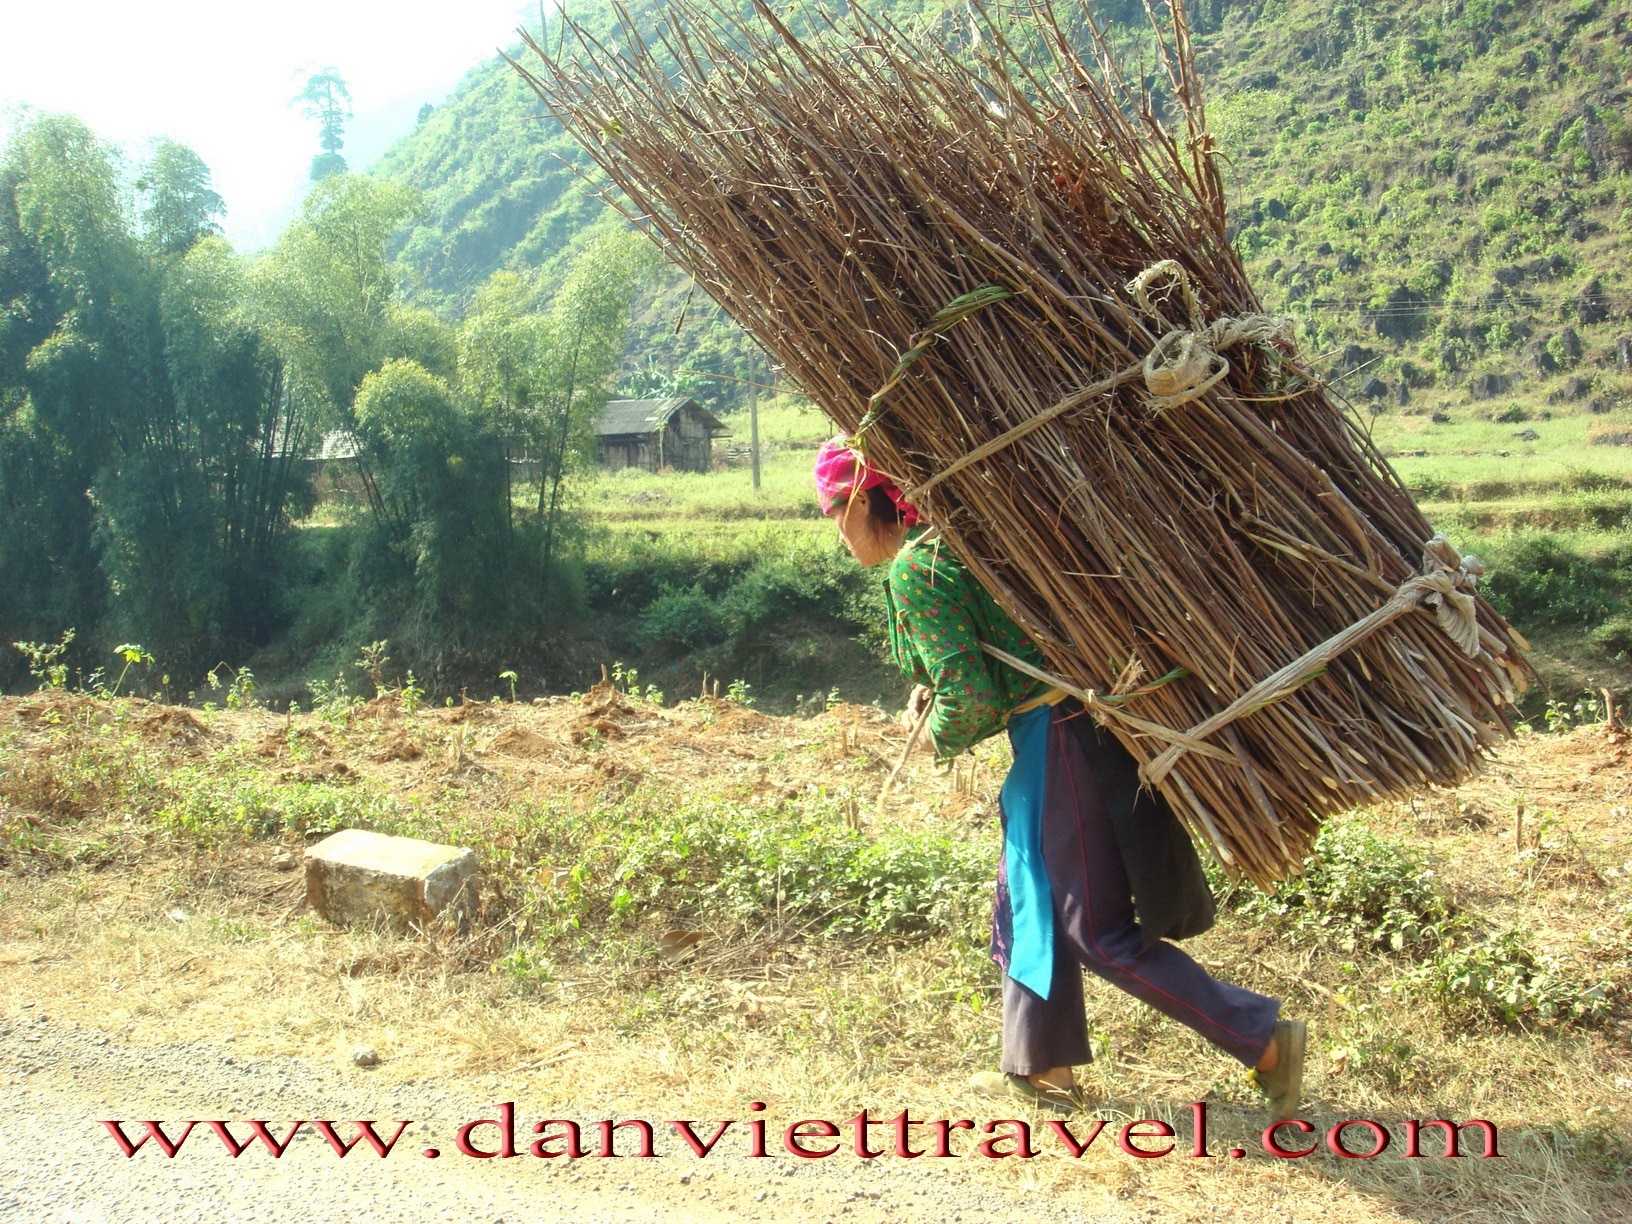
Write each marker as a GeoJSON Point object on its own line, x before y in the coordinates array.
{"type": "Point", "coordinates": [1095, 927]}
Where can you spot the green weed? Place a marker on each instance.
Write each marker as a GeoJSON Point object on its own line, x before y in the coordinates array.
{"type": "Point", "coordinates": [216, 802]}
{"type": "Point", "coordinates": [796, 864]}
{"type": "Point", "coordinates": [44, 660]}
{"type": "Point", "coordinates": [1357, 890]}
{"type": "Point", "coordinates": [1504, 978]}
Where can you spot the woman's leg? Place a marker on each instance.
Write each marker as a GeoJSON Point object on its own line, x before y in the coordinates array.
{"type": "Point", "coordinates": [1095, 916]}
{"type": "Point", "coordinates": [1041, 1035]}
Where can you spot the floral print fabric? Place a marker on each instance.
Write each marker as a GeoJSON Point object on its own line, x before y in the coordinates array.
{"type": "Point", "coordinates": [939, 615]}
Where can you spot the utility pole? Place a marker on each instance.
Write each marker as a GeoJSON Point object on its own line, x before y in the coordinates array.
{"type": "Point", "coordinates": [753, 437]}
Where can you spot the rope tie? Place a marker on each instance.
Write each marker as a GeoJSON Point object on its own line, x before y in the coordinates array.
{"type": "Point", "coordinates": [1182, 366]}
{"type": "Point", "coordinates": [1186, 363]}
{"type": "Point", "coordinates": [1447, 584]}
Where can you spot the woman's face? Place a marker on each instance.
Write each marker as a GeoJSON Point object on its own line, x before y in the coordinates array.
{"type": "Point", "coordinates": [869, 541]}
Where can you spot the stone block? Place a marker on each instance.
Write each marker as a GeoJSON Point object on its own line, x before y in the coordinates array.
{"type": "Point", "coordinates": [357, 876]}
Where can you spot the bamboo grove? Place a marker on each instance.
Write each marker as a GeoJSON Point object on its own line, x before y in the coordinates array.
{"type": "Point", "coordinates": [165, 403]}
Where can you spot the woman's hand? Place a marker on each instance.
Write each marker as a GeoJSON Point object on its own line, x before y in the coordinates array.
{"type": "Point", "coordinates": [921, 696]}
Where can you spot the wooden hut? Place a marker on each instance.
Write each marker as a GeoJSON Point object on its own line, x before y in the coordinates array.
{"type": "Point", "coordinates": [676, 432]}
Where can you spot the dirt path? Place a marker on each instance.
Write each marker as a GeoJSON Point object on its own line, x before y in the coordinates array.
{"type": "Point", "coordinates": [59, 1165]}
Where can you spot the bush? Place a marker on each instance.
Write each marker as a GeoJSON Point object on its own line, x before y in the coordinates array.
{"type": "Point", "coordinates": [731, 611]}
{"type": "Point", "coordinates": [1502, 978]}
{"type": "Point", "coordinates": [1360, 890]}
{"type": "Point", "coordinates": [717, 861]}
{"type": "Point", "coordinates": [1545, 579]}
{"type": "Point", "coordinates": [681, 619]}
{"type": "Point", "coordinates": [210, 804]}
{"type": "Point", "coordinates": [1614, 636]}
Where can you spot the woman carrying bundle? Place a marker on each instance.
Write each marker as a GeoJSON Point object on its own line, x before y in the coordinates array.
{"type": "Point", "coordinates": [1095, 871]}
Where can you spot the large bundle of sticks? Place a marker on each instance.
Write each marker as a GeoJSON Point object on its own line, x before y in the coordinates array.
{"type": "Point", "coordinates": [1012, 283]}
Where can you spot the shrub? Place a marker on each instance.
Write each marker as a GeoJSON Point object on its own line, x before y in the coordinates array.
{"type": "Point", "coordinates": [1547, 579]}
{"type": "Point", "coordinates": [209, 803]}
{"type": "Point", "coordinates": [716, 861]}
{"type": "Point", "coordinates": [1358, 889]}
{"type": "Point", "coordinates": [725, 614]}
{"type": "Point", "coordinates": [1614, 635]}
{"type": "Point", "coordinates": [1503, 978]}
{"type": "Point", "coordinates": [681, 619]}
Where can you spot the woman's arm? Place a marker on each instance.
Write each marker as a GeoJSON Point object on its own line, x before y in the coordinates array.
{"type": "Point", "coordinates": [934, 631]}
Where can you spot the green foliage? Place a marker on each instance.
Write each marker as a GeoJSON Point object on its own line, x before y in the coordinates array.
{"type": "Point", "coordinates": [1429, 174]}
{"type": "Point", "coordinates": [496, 196]}
{"type": "Point", "coordinates": [436, 485]}
{"type": "Point", "coordinates": [178, 204]}
{"type": "Point", "coordinates": [1361, 892]}
{"type": "Point", "coordinates": [146, 487]}
{"type": "Point", "coordinates": [132, 654]}
{"type": "Point", "coordinates": [212, 804]}
{"type": "Point", "coordinates": [447, 556]}
{"type": "Point", "coordinates": [327, 290]}
{"type": "Point", "coordinates": [373, 660]}
{"type": "Point", "coordinates": [1552, 580]}
{"type": "Point", "coordinates": [331, 701]}
{"type": "Point", "coordinates": [45, 660]}
{"type": "Point", "coordinates": [766, 601]}
{"type": "Point", "coordinates": [326, 99]}
{"type": "Point", "coordinates": [1504, 978]}
{"type": "Point", "coordinates": [682, 620]}
{"type": "Point", "coordinates": [712, 860]}
{"type": "Point", "coordinates": [1357, 890]}
{"type": "Point", "coordinates": [67, 364]}
{"type": "Point", "coordinates": [1614, 636]}
{"type": "Point", "coordinates": [588, 323]}
{"type": "Point", "coordinates": [240, 694]}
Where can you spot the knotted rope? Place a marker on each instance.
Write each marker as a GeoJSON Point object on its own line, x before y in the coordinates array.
{"type": "Point", "coordinates": [1182, 366]}
{"type": "Point", "coordinates": [1446, 584]}
{"type": "Point", "coordinates": [1186, 363]}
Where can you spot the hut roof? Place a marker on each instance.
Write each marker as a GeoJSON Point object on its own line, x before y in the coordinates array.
{"type": "Point", "coordinates": [644, 416]}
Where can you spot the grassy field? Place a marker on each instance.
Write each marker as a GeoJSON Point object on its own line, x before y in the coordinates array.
{"type": "Point", "coordinates": [1552, 515]}
{"type": "Point", "coordinates": [690, 906]}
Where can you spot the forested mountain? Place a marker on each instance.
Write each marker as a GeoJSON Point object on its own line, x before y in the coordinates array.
{"type": "Point", "coordinates": [1439, 192]}
{"type": "Point", "coordinates": [504, 188]}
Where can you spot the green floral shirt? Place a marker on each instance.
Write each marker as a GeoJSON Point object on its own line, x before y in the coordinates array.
{"type": "Point", "coordinates": [939, 615]}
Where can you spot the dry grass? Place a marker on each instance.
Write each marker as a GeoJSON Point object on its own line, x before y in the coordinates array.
{"type": "Point", "coordinates": [162, 933]}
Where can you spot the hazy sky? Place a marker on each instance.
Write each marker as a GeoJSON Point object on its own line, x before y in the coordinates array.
{"type": "Point", "coordinates": [219, 77]}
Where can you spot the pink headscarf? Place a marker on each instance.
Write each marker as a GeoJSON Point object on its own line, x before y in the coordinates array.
{"type": "Point", "coordinates": [842, 472]}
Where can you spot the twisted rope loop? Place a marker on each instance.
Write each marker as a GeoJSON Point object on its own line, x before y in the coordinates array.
{"type": "Point", "coordinates": [1182, 366]}
{"type": "Point", "coordinates": [1186, 363]}
{"type": "Point", "coordinates": [1449, 583]}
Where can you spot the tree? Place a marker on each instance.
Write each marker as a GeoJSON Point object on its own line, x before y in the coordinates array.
{"type": "Point", "coordinates": [327, 100]}
{"type": "Point", "coordinates": [72, 369]}
{"type": "Point", "coordinates": [232, 449]}
{"type": "Point", "coordinates": [326, 291]}
{"type": "Point", "coordinates": [178, 204]}
{"type": "Point", "coordinates": [504, 347]}
{"type": "Point", "coordinates": [148, 440]}
{"type": "Point", "coordinates": [587, 325]}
